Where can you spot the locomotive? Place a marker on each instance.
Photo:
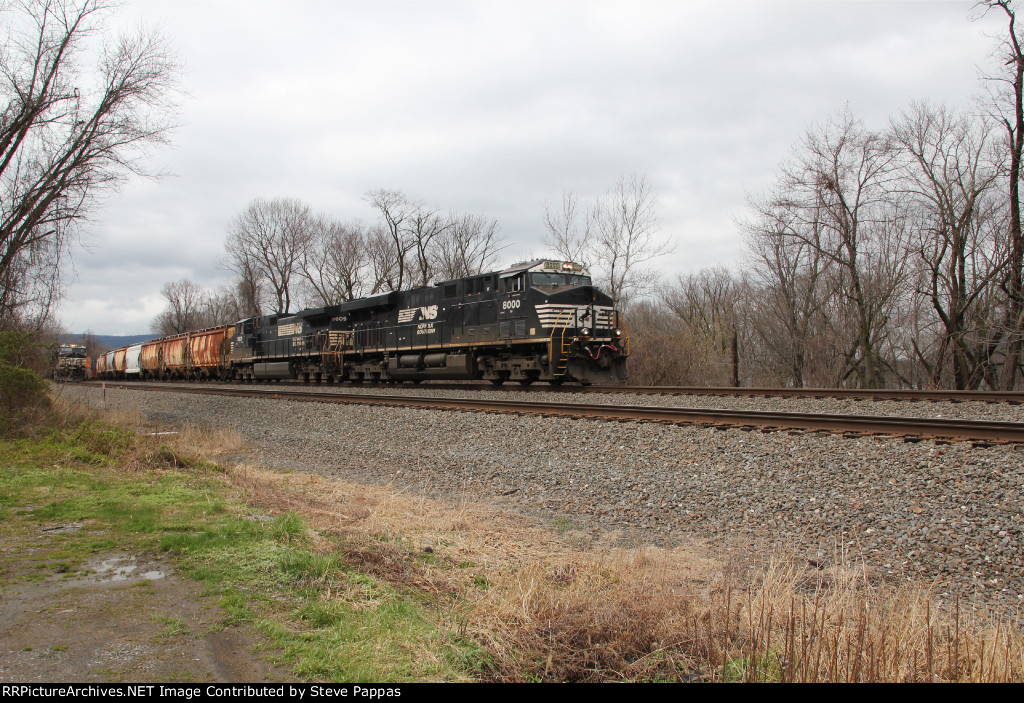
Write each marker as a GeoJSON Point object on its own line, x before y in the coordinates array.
{"type": "Point", "coordinates": [72, 363]}
{"type": "Point", "coordinates": [541, 320]}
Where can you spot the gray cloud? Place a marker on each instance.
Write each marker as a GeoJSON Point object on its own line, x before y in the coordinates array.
{"type": "Point", "coordinates": [497, 107]}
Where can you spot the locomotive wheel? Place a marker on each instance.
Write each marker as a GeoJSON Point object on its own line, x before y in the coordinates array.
{"type": "Point", "coordinates": [525, 381]}
{"type": "Point", "coordinates": [497, 381]}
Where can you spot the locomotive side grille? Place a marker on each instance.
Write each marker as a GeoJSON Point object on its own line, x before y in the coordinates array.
{"type": "Point", "coordinates": [549, 313]}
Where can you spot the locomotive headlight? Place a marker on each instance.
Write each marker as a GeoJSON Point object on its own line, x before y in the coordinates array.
{"type": "Point", "coordinates": [585, 331]}
{"type": "Point", "coordinates": [617, 333]}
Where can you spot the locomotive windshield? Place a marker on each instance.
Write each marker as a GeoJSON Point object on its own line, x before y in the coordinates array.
{"type": "Point", "coordinates": [558, 279]}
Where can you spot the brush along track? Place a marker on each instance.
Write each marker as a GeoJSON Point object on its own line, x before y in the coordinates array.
{"type": "Point", "coordinates": [911, 428]}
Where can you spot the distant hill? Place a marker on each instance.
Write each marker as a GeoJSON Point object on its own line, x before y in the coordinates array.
{"type": "Point", "coordinates": [111, 341]}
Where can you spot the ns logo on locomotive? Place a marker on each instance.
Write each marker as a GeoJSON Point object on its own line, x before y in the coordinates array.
{"type": "Point", "coordinates": [536, 321]}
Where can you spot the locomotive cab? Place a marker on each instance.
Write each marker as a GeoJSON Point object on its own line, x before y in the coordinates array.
{"type": "Point", "coordinates": [574, 327]}
{"type": "Point", "coordinates": [512, 311]}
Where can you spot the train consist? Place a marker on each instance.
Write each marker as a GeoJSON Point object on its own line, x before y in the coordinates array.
{"type": "Point", "coordinates": [536, 321]}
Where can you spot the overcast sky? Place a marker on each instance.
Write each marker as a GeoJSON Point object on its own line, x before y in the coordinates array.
{"type": "Point", "coordinates": [496, 107]}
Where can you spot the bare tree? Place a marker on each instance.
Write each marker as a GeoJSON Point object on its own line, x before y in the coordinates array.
{"type": "Point", "coordinates": [184, 311]}
{"type": "Point", "coordinates": [247, 292]}
{"type": "Point", "coordinates": [31, 284]}
{"type": "Point", "coordinates": [67, 135]}
{"type": "Point", "coordinates": [837, 191]}
{"type": "Point", "coordinates": [392, 243]}
{"type": "Point", "coordinates": [661, 350]}
{"type": "Point", "coordinates": [415, 245]}
{"type": "Point", "coordinates": [333, 263]}
{"type": "Point", "coordinates": [1007, 108]}
{"type": "Point", "coordinates": [190, 307]}
{"type": "Point", "coordinates": [425, 226]}
{"type": "Point", "coordinates": [951, 180]}
{"type": "Point", "coordinates": [788, 273]}
{"type": "Point", "coordinates": [383, 274]}
{"type": "Point", "coordinates": [706, 303]}
{"type": "Point", "coordinates": [92, 344]}
{"type": "Point", "coordinates": [468, 247]}
{"type": "Point", "coordinates": [618, 236]}
{"type": "Point", "coordinates": [223, 306]}
{"type": "Point", "coordinates": [627, 238]}
{"type": "Point", "coordinates": [266, 243]}
{"type": "Point", "coordinates": [568, 231]}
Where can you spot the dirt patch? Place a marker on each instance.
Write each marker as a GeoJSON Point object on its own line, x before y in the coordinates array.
{"type": "Point", "coordinates": [123, 618]}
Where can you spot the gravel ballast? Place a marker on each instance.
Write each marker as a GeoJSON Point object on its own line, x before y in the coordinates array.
{"type": "Point", "coordinates": [947, 514]}
{"type": "Point", "coordinates": [976, 410]}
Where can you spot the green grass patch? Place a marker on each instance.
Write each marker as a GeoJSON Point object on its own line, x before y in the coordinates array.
{"type": "Point", "coordinates": [171, 626]}
{"type": "Point", "coordinates": [563, 524]}
{"type": "Point", "coordinates": [95, 489]}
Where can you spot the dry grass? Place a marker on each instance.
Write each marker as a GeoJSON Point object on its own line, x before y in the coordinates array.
{"type": "Point", "coordinates": [181, 447]}
{"type": "Point", "coordinates": [619, 615]}
{"type": "Point", "coordinates": [550, 605]}
{"type": "Point", "coordinates": [546, 609]}
{"type": "Point", "coordinates": [848, 630]}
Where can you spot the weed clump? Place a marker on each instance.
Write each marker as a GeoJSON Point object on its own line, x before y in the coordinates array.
{"type": "Point", "coordinates": [585, 623]}
{"type": "Point", "coordinates": [24, 403]}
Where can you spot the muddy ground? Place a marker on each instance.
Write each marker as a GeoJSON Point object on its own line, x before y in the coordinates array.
{"type": "Point", "coordinates": [122, 618]}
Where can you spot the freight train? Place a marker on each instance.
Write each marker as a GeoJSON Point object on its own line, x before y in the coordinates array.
{"type": "Point", "coordinates": [540, 320]}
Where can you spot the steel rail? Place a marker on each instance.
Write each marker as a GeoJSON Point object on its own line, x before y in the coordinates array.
{"type": "Point", "coordinates": [902, 394]}
{"type": "Point", "coordinates": [916, 427]}
{"type": "Point", "coordinates": [855, 393]}
{"type": "Point", "coordinates": [1013, 397]}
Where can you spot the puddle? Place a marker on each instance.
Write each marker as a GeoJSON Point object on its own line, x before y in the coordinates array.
{"type": "Point", "coordinates": [125, 568]}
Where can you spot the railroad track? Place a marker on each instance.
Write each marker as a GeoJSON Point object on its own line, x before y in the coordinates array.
{"type": "Point", "coordinates": [1013, 397]}
{"type": "Point", "coordinates": [909, 428]}
{"type": "Point", "coordinates": [936, 396]}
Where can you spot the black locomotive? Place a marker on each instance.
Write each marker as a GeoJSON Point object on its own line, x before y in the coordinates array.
{"type": "Point", "coordinates": [536, 321]}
